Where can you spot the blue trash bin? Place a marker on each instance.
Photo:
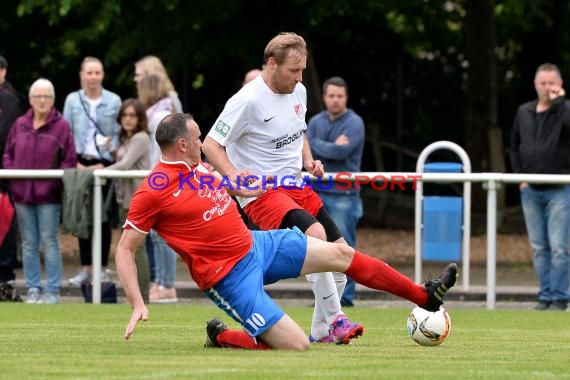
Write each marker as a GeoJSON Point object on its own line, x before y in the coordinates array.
{"type": "Point", "coordinates": [442, 220]}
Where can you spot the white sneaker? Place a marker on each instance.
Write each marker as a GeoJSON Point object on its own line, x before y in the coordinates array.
{"type": "Point", "coordinates": [82, 278]}
{"type": "Point", "coordinates": [49, 298]}
{"type": "Point", "coordinates": [33, 295]}
{"type": "Point", "coordinates": [166, 295]}
{"type": "Point", "coordinates": [106, 275]}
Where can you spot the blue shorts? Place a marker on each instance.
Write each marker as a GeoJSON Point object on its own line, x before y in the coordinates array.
{"type": "Point", "coordinates": [275, 255]}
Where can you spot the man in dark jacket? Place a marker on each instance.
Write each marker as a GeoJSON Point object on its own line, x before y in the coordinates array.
{"type": "Point", "coordinates": [10, 109]}
{"type": "Point", "coordinates": [540, 143]}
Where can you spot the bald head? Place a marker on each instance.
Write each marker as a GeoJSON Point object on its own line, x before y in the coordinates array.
{"type": "Point", "coordinates": [250, 75]}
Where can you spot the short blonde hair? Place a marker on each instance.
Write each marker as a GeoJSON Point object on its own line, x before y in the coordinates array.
{"type": "Point", "coordinates": [85, 61]}
{"type": "Point", "coordinates": [89, 59]}
{"type": "Point", "coordinates": [152, 65]}
{"type": "Point", "coordinates": [42, 83]}
{"type": "Point", "coordinates": [283, 46]}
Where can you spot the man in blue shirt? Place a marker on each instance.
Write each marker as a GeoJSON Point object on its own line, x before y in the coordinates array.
{"type": "Point", "coordinates": [336, 136]}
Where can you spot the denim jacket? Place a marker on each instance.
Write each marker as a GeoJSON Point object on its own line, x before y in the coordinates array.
{"type": "Point", "coordinates": [78, 120]}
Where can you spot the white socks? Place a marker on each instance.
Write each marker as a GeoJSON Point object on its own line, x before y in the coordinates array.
{"type": "Point", "coordinates": [328, 288]}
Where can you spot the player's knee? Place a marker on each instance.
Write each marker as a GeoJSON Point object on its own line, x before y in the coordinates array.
{"type": "Point", "coordinates": [345, 253]}
{"type": "Point", "coordinates": [341, 240]}
{"type": "Point", "coordinates": [318, 231]}
{"type": "Point", "coordinates": [301, 345]}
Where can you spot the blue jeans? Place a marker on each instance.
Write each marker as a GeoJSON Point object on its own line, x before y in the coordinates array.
{"type": "Point", "coordinates": [40, 224]}
{"type": "Point", "coordinates": [164, 261]}
{"type": "Point", "coordinates": [345, 210]}
{"type": "Point", "coordinates": [547, 218]}
{"type": "Point", "coordinates": [150, 255]}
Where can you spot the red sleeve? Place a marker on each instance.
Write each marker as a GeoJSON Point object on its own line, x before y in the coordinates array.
{"type": "Point", "coordinates": [143, 210]}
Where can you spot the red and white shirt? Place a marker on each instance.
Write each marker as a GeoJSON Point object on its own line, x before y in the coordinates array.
{"type": "Point", "coordinates": [195, 215]}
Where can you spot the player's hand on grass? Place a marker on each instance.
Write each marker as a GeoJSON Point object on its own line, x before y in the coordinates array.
{"type": "Point", "coordinates": [139, 313]}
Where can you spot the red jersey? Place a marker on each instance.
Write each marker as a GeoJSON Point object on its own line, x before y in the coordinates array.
{"type": "Point", "coordinates": [196, 216]}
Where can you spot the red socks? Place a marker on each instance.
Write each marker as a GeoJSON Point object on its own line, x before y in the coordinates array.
{"type": "Point", "coordinates": [376, 274]}
{"type": "Point", "coordinates": [240, 339]}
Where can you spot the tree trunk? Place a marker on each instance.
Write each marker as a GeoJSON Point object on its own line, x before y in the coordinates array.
{"type": "Point", "coordinates": [312, 83]}
{"type": "Point", "coordinates": [483, 140]}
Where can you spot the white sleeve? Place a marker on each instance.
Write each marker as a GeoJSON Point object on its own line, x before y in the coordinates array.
{"type": "Point", "coordinates": [232, 122]}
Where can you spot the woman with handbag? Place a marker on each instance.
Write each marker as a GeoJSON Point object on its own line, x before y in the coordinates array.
{"type": "Point", "coordinates": [92, 115]}
{"type": "Point", "coordinates": [40, 139]}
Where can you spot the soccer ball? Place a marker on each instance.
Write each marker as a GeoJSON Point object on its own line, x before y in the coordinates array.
{"type": "Point", "coordinates": [428, 328]}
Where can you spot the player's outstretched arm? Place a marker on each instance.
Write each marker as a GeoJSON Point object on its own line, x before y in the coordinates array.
{"type": "Point", "coordinates": [127, 271]}
{"type": "Point", "coordinates": [217, 156]}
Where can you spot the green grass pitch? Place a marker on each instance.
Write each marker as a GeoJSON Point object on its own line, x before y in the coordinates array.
{"type": "Point", "coordinates": [81, 341]}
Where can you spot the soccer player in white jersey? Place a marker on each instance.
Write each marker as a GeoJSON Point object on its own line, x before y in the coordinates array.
{"type": "Point", "coordinates": [261, 132]}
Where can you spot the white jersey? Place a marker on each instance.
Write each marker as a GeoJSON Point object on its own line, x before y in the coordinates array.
{"type": "Point", "coordinates": [263, 131]}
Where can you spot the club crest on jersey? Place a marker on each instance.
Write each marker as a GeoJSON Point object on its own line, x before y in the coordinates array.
{"type": "Point", "coordinates": [222, 128]}
{"type": "Point", "coordinates": [298, 109]}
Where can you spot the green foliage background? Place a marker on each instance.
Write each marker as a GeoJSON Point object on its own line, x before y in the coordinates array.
{"type": "Point", "coordinates": [406, 61]}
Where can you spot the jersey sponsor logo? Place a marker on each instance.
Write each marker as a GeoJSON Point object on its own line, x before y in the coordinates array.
{"type": "Point", "coordinates": [222, 128]}
{"type": "Point", "coordinates": [219, 197]}
{"type": "Point", "coordinates": [267, 120]}
{"type": "Point", "coordinates": [287, 139]}
{"type": "Point", "coordinates": [298, 109]}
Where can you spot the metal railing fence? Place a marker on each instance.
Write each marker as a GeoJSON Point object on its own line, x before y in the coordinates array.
{"type": "Point", "coordinates": [490, 181]}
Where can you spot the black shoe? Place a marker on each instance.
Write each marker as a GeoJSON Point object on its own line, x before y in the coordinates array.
{"type": "Point", "coordinates": [558, 305]}
{"type": "Point", "coordinates": [8, 293]}
{"type": "Point", "coordinates": [437, 288]}
{"type": "Point", "coordinates": [214, 327]}
{"type": "Point", "coordinates": [542, 305]}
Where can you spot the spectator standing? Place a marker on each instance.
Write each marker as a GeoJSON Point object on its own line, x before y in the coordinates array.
{"type": "Point", "coordinates": [92, 115]}
{"type": "Point", "coordinates": [10, 109]}
{"type": "Point", "coordinates": [133, 154]}
{"type": "Point", "coordinates": [261, 132]}
{"type": "Point", "coordinates": [152, 65]}
{"type": "Point", "coordinates": [40, 139]}
{"type": "Point", "coordinates": [154, 95]}
{"type": "Point", "coordinates": [336, 136]}
{"type": "Point", "coordinates": [540, 143]}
